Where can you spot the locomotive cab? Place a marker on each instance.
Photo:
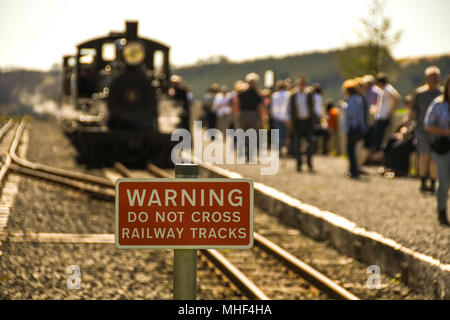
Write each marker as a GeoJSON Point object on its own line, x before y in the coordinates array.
{"type": "Point", "coordinates": [121, 84]}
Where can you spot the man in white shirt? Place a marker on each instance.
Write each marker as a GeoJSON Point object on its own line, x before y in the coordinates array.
{"type": "Point", "coordinates": [385, 109]}
{"type": "Point", "coordinates": [279, 111]}
{"type": "Point", "coordinates": [222, 106]}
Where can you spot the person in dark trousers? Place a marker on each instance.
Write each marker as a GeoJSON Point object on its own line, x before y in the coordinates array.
{"type": "Point", "coordinates": [207, 105]}
{"type": "Point", "coordinates": [251, 108]}
{"type": "Point", "coordinates": [399, 147]}
{"type": "Point", "coordinates": [355, 126]}
{"type": "Point", "coordinates": [320, 130]}
{"type": "Point", "coordinates": [180, 95]}
{"type": "Point", "coordinates": [437, 123]}
{"type": "Point", "coordinates": [303, 117]}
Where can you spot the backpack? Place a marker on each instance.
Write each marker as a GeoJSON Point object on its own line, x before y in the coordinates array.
{"type": "Point", "coordinates": [441, 145]}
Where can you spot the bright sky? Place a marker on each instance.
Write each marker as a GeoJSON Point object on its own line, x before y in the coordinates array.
{"type": "Point", "coordinates": [36, 33]}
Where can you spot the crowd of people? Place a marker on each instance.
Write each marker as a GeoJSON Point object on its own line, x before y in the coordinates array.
{"type": "Point", "coordinates": [305, 118]}
{"type": "Point", "coordinates": [426, 129]}
{"type": "Point", "coordinates": [248, 107]}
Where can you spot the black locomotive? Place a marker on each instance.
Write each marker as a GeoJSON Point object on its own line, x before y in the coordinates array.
{"type": "Point", "coordinates": [115, 99]}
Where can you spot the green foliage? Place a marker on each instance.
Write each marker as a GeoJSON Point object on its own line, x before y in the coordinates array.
{"type": "Point", "coordinates": [358, 61]}
{"type": "Point", "coordinates": [372, 53]}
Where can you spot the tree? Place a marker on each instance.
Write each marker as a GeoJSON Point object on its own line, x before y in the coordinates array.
{"type": "Point", "coordinates": [372, 53]}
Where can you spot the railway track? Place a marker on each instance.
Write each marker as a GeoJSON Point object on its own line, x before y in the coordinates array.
{"type": "Point", "coordinates": [6, 160]}
{"type": "Point", "coordinates": [264, 248]}
{"type": "Point", "coordinates": [311, 275]}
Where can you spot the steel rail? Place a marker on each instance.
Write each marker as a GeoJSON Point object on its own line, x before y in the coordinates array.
{"type": "Point", "coordinates": [123, 170]}
{"type": "Point", "coordinates": [57, 171]}
{"type": "Point", "coordinates": [6, 128]}
{"type": "Point", "coordinates": [7, 159]}
{"type": "Point", "coordinates": [107, 193]}
{"type": "Point", "coordinates": [236, 276]}
{"type": "Point", "coordinates": [310, 274]}
{"type": "Point", "coordinates": [158, 171]}
{"type": "Point", "coordinates": [313, 276]}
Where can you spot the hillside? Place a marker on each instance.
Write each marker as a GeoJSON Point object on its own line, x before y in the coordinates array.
{"type": "Point", "coordinates": [36, 92]}
{"type": "Point", "coordinates": [319, 67]}
{"type": "Point", "coordinates": [28, 92]}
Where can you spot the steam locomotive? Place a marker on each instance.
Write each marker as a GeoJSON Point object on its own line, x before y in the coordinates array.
{"type": "Point", "coordinates": [115, 104]}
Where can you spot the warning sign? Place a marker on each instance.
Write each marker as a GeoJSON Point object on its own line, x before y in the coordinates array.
{"type": "Point", "coordinates": [184, 213]}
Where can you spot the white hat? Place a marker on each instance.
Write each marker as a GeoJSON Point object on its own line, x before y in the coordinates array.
{"type": "Point", "coordinates": [251, 77]}
{"type": "Point", "coordinates": [432, 70]}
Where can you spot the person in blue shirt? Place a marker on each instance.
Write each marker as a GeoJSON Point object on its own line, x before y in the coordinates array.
{"type": "Point", "coordinates": [355, 126]}
{"type": "Point", "coordinates": [437, 123]}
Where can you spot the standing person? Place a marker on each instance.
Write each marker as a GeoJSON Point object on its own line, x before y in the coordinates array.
{"type": "Point", "coordinates": [207, 105]}
{"type": "Point", "coordinates": [179, 93]}
{"type": "Point", "coordinates": [332, 125]}
{"type": "Point", "coordinates": [279, 111]}
{"type": "Point", "coordinates": [222, 106]}
{"type": "Point", "coordinates": [267, 98]}
{"type": "Point", "coordinates": [372, 95]}
{"type": "Point", "coordinates": [251, 107]}
{"type": "Point", "coordinates": [319, 127]}
{"type": "Point", "coordinates": [355, 125]}
{"type": "Point", "coordinates": [239, 86]}
{"type": "Point", "coordinates": [303, 117]}
{"type": "Point", "coordinates": [423, 96]}
{"type": "Point", "coordinates": [437, 123]}
{"type": "Point", "coordinates": [372, 92]}
{"type": "Point", "coordinates": [385, 109]}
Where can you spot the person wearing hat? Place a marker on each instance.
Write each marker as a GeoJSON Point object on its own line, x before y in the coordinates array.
{"type": "Point", "coordinates": [385, 109]}
{"type": "Point", "coordinates": [251, 107]}
{"type": "Point", "coordinates": [423, 96]}
{"type": "Point", "coordinates": [222, 107]}
{"type": "Point", "coordinates": [279, 111]}
{"type": "Point", "coordinates": [355, 125]}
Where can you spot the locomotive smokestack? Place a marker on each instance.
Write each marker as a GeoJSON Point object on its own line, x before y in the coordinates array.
{"type": "Point", "coordinates": [131, 29]}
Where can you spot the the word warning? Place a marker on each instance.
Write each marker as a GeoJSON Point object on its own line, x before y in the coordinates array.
{"type": "Point", "coordinates": [184, 213]}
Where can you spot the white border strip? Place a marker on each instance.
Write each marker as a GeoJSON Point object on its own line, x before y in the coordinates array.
{"type": "Point", "coordinates": [158, 180]}
{"type": "Point", "coordinates": [61, 237]}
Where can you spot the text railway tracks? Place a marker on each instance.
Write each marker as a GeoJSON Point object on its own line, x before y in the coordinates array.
{"type": "Point", "coordinates": [103, 187]}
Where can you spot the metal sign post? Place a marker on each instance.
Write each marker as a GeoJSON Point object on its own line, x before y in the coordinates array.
{"type": "Point", "coordinates": [185, 260]}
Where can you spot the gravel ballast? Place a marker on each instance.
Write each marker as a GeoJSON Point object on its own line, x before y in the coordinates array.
{"type": "Point", "coordinates": [39, 270]}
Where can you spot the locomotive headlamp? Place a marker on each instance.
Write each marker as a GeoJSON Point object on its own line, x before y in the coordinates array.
{"type": "Point", "coordinates": [134, 53]}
